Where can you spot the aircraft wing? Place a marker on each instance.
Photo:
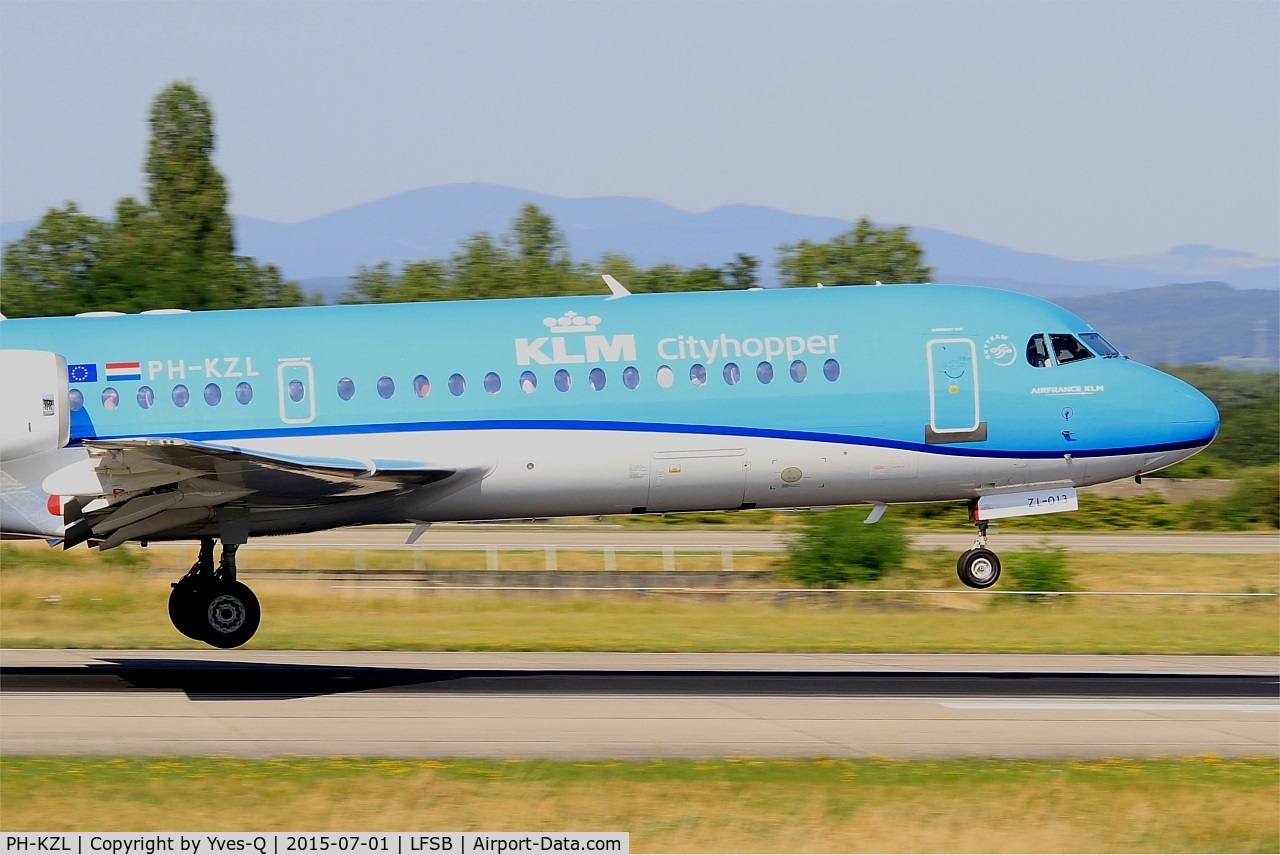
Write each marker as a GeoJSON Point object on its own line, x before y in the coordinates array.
{"type": "Point", "coordinates": [126, 485]}
{"type": "Point", "coordinates": [282, 475]}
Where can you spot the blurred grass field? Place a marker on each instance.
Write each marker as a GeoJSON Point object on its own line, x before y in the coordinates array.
{"type": "Point", "coordinates": [117, 600]}
{"type": "Point", "coordinates": [78, 599]}
{"type": "Point", "coordinates": [723, 805]}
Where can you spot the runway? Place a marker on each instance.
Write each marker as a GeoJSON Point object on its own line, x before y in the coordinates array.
{"type": "Point", "coordinates": [613, 705]}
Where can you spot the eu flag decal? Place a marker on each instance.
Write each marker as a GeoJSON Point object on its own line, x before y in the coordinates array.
{"type": "Point", "coordinates": [87, 373]}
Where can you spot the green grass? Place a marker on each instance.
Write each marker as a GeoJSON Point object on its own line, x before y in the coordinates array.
{"type": "Point", "coordinates": [82, 606]}
{"type": "Point", "coordinates": [821, 805]}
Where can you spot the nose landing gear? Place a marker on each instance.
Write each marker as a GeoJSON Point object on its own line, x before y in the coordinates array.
{"type": "Point", "coordinates": [979, 567]}
{"type": "Point", "coordinates": [209, 605]}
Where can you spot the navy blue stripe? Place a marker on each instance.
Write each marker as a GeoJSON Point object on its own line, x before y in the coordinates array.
{"type": "Point", "coordinates": [661, 427]}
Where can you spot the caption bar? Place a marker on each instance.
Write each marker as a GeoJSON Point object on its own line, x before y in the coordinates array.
{"type": "Point", "coordinates": [284, 843]}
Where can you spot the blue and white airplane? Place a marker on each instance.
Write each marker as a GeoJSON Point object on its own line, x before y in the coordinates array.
{"type": "Point", "coordinates": [227, 425]}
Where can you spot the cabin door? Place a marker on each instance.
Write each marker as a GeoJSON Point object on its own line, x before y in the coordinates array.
{"type": "Point", "coordinates": [715, 479]}
{"type": "Point", "coordinates": [297, 391]}
{"type": "Point", "coordinates": [953, 389]}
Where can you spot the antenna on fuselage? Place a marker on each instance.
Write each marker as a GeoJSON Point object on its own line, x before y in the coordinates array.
{"type": "Point", "coordinates": [616, 288]}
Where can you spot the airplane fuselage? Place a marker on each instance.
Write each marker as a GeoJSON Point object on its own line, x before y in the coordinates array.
{"type": "Point", "coordinates": [650, 403]}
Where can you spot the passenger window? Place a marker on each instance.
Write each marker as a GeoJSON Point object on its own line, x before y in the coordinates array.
{"type": "Point", "coordinates": [630, 377]}
{"type": "Point", "coordinates": [1067, 348]}
{"type": "Point", "coordinates": [346, 388]}
{"type": "Point", "coordinates": [182, 395]}
{"type": "Point", "coordinates": [1037, 351]}
{"type": "Point", "coordinates": [563, 380]}
{"type": "Point", "coordinates": [596, 378]}
{"type": "Point", "coordinates": [296, 392]}
{"type": "Point", "coordinates": [764, 372]}
{"type": "Point", "coordinates": [732, 374]}
{"type": "Point", "coordinates": [457, 385]}
{"type": "Point", "coordinates": [213, 394]}
{"type": "Point", "coordinates": [110, 398]}
{"type": "Point", "coordinates": [77, 400]}
{"type": "Point", "coordinates": [386, 387]}
{"type": "Point", "coordinates": [421, 386]}
{"type": "Point", "coordinates": [1100, 345]}
{"type": "Point", "coordinates": [492, 383]}
{"type": "Point", "coordinates": [666, 376]}
{"type": "Point", "coordinates": [831, 370]}
{"type": "Point", "coordinates": [244, 393]}
{"type": "Point", "coordinates": [799, 371]}
{"type": "Point", "coordinates": [146, 397]}
{"type": "Point", "coordinates": [528, 381]}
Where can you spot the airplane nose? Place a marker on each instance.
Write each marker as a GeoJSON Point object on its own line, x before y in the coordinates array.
{"type": "Point", "coordinates": [1194, 417]}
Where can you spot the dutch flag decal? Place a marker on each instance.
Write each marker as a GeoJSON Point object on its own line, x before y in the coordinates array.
{"type": "Point", "coordinates": [124, 370]}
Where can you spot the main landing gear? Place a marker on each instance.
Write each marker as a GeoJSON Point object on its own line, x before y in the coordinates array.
{"type": "Point", "coordinates": [209, 605]}
{"type": "Point", "coordinates": [978, 567]}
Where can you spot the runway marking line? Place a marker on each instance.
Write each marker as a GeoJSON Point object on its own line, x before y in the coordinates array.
{"type": "Point", "coordinates": [1101, 705]}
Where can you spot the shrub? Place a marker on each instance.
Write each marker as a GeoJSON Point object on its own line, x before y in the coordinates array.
{"type": "Point", "coordinates": [1040, 568]}
{"type": "Point", "coordinates": [836, 547]}
{"type": "Point", "coordinates": [1255, 501]}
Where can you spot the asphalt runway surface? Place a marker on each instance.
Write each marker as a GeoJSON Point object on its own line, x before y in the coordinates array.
{"type": "Point", "coordinates": [593, 706]}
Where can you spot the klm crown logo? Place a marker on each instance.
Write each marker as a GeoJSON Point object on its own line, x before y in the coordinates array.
{"type": "Point", "coordinates": [571, 322]}
{"type": "Point", "coordinates": [563, 347]}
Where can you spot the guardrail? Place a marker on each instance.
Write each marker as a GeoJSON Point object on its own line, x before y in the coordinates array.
{"type": "Point", "coordinates": [492, 553]}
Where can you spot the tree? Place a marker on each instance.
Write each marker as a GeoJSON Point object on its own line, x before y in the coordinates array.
{"type": "Point", "coordinates": [183, 185]}
{"type": "Point", "coordinates": [742, 271]}
{"type": "Point", "coordinates": [863, 255]}
{"type": "Point", "coordinates": [481, 269]}
{"type": "Point", "coordinates": [176, 249]}
{"type": "Point", "coordinates": [49, 270]}
{"type": "Point", "coordinates": [189, 239]}
{"type": "Point", "coordinates": [419, 281]}
{"type": "Point", "coordinates": [541, 264]}
{"type": "Point", "coordinates": [374, 283]}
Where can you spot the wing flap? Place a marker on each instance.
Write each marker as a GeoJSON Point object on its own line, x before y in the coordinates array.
{"type": "Point", "coordinates": [133, 465]}
{"type": "Point", "coordinates": [119, 470]}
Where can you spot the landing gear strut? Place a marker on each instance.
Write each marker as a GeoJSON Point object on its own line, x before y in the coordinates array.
{"type": "Point", "coordinates": [209, 605]}
{"type": "Point", "coordinates": [978, 567]}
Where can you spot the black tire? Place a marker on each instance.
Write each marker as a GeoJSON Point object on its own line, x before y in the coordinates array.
{"type": "Point", "coordinates": [978, 568]}
{"type": "Point", "coordinates": [182, 611]}
{"type": "Point", "coordinates": [228, 614]}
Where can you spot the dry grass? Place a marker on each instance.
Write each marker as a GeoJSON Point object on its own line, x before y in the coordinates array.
{"type": "Point", "coordinates": [776, 805]}
{"type": "Point", "coordinates": [51, 599]}
{"type": "Point", "coordinates": [120, 610]}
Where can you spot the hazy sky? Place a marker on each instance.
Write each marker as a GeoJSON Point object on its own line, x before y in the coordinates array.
{"type": "Point", "coordinates": [1081, 129]}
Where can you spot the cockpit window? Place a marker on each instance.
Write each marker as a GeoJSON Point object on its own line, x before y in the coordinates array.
{"type": "Point", "coordinates": [1100, 345]}
{"type": "Point", "coordinates": [1037, 351]}
{"type": "Point", "coordinates": [1067, 348]}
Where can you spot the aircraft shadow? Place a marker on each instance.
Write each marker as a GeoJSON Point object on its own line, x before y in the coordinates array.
{"type": "Point", "coordinates": [211, 680]}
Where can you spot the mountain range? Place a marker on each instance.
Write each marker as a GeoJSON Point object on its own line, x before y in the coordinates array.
{"type": "Point", "coordinates": [323, 252]}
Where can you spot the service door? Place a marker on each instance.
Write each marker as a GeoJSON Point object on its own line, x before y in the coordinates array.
{"type": "Point", "coordinates": [953, 386]}
{"type": "Point", "coordinates": [697, 480]}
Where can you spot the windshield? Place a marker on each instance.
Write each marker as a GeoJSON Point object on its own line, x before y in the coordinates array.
{"type": "Point", "coordinates": [1099, 345]}
{"type": "Point", "coordinates": [1067, 348]}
